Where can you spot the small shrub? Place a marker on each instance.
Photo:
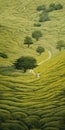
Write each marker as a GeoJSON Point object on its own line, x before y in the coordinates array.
{"type": "Point", "coordinates": [28, 41]}
{"type": "Point", "coordinates": [41, 7]}
{"type": "Point", "coordinates": [3, 55]}
{"type": "Point", "coordinates": [40, 50]}
{"type": "Point", "coordinates": [60, 44]}
{"type": "Point", "coordinates": [53, 7]}
{"type": "Point", "coordinates": [37, 34]}
{"type": "Point", "coordinates": [44, 17]}
{"type": "Point", "coordinates": [37, 24]}
{"type": "Point", "coordinates": [58, 7]}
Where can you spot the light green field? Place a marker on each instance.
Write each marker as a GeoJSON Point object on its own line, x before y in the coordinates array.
{"type": "Point", "coordinates": [28, 103]}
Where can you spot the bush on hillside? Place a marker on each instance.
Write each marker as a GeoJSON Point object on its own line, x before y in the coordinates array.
{"type": "Point", "coordinates": [37, 34]}
{"type": "Point", "coordinates": [37, 24]}
{"type": "Point", "coordinates": [25, 62]}
{"type": "Point", "coordinates": [58, 7]}
{"type": "Point", "coordinates": [3, 55]}
{"type": "Point", "coordinates": [60, 44]}
{"type": "Point", "coordinates": [28, 41]}
{"type": "Point", "coordinates": [40, 50]}
{"type": "Point", "coordinates": [41, 7]}
{"type": "Point", "coordinates": [53, 7]}
{"type": "Point", "coordinates": [44, 17]}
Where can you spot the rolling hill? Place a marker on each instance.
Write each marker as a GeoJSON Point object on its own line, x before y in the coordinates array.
{"type": "Point", "coordinates": [27, 102]}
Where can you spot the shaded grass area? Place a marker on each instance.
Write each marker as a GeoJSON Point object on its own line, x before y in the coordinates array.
{"type": "Point", "coordinates": [34, 105]}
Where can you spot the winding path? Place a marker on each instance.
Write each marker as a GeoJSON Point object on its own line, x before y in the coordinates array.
{"type": "Point", "coordinates": [49, 57]}
{"type": "Point", "coordinates": [45, 59]}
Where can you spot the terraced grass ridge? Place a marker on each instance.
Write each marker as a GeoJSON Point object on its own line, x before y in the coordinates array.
{"type": "Point", "coordinates": [28, 102]}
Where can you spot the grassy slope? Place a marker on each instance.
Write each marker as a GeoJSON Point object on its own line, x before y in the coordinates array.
{"type": "Point", "coordinates": [39, 103]}
{"type": "Point", "coordinates": [17, 22]}
{"type": "Point", "coordinates": [34, 104]}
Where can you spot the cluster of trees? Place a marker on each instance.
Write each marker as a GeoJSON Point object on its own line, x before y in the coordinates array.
{"type": "Point", "coordinates": [36, 35]}
{"type": "Point", "coordinates": [44, 15]}
{"type": "Point", "coordinates": [27, 62]}
{"type": "Point", "coordinates": [51, 7]}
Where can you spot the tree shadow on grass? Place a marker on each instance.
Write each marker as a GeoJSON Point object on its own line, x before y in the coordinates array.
{"type": "Point", "coordinates": [10, 71]}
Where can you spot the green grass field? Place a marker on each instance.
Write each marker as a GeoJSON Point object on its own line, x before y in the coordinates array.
{"type": "Point", "coordinates": [28, 102]}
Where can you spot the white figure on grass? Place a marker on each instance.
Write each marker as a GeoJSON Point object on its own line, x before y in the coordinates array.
{"type": "Point", "coordinates": [32, 71]}
{"type": "Point", "coordinates": [38, 75]}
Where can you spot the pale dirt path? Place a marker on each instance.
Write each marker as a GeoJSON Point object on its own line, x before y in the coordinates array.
{"type": "Point", "coordinates": [49, 57]}
{"type": "Point", "coordinates": [45, 59]}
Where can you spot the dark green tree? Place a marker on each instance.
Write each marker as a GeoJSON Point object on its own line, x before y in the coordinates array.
{"type": "Point", "coordinates": [40, 50]}
{"type": "Point", "coordinates": [37, 34]}
{"type": "Point", "coordinates": [28, 41]}
{"type": "Point", "coordinates": [51, 7]}
{"type": "Point", "coordinates": [25, 62]}
{"type": "Point", "coordinates": [44, 17]}
{"type": "Point", "coordinates": [60, 44]}
{"type": "Point", "coordinates": [41, 8]}
{"type": "Point", "coordinates": [58, 6]}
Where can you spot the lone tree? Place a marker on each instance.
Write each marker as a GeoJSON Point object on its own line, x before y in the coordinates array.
{"type": "Point", "coordinates": [28, 41]}
{"type": "Point", "coordinates": [40, 50]}
{"type": "Point", "coordinates": [25, 62]}
{"type": "Point", "coordinates": [60, 44]}
{"type": "Point", "coordinates": [37, 34]}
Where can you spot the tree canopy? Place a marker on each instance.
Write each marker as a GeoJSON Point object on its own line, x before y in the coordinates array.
{"type": "Point", "coordinates": [28, 41]}
{"type": "Point", "coordinates": [60, 44]}
{"type": "Point", "coordinates": [25, 62]}
{"type": "Point", "coordinates": [40, 49]}
{"type": "Point", "coordinates": [37, 34]}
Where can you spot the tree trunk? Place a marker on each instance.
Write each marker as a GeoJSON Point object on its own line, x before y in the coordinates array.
{"type": "Point", "coordinates": [28, 45]}
{"type": "Point", "coordinates": [24, 70]}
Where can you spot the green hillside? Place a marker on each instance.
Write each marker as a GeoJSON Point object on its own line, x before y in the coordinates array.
{"type": "Point", "coordinates": [28, 102]}
{"type": "Point", "coordinates": [38, 104]}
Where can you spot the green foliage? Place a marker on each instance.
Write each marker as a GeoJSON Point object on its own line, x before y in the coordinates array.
{"type": "Point", "coordinates": [37, 24]}
{"type": "Point", "coordinates": [25, 62]}
{"type": "Point", "coordinates": [60, 44]}
{"type": "Point", "coordinates": [41, 7]}
{"type": "Point", "coordinates": [44, 17]}
{"type": "Point", "coordinates": [37, 34]}
{"type": "Point", "coordinates": [58, 6]}
{"type": "Point", "coordinates": [28, 41]}
{"type": "Point", "coordinates": [53, 7]}
{"type": "Point", "coordinates": [40, 49]}
{"type": "Point", "coordinates": [3, 55]}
